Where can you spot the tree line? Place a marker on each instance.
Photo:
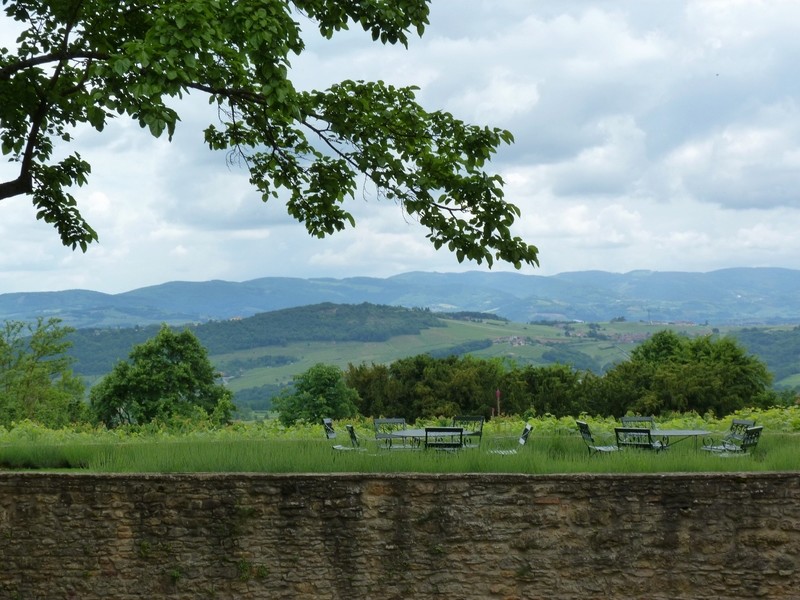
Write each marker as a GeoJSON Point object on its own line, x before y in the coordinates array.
{"type": "Point", "coordinates": [667, 373]}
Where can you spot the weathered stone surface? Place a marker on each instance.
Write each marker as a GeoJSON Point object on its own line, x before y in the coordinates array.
{"type": "Point", "coordinates": [251, 536]}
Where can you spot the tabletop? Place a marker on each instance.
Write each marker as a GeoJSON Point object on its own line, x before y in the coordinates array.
{"type": "Point", "coordinates": [680, 434]}
{"type": "Point", "coordinates": [420, 433]}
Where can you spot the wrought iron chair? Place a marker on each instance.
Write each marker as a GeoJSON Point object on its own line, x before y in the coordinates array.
{"type": "Point", "coordinates": [750, 441]}
{"type": "Point", "coordinates": [523, 439]}
{"type": "Point", "coordinates": [330, 433]}
{"type": "Point", "coordinates": [444, 438]}
{"type": "Point", "coordinates": [746, 445]}
{"type": "Point", "coordinates": [639, 438]}
{"type": "Point", "coordinates": [385, 429]}
{"type": "Point", "coordinates": [473, 430]}
{"type": "Point", "coordinates": [355, 442]}
{"type": "Point", "coordinates": [640, 422]}
{"type": "Point", "coordinates": [732, 440]}
{"type": "Point", "coordinates": [589, 440]}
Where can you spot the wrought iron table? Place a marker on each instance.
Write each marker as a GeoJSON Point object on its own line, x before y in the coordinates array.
{"type": "Point", "coordinates": [667, 435]}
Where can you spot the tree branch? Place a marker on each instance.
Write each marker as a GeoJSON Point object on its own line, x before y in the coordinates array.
{"type": "Point", "coordinates": [20, 186]}
{"type": "Point", "coordinates": [9, 71]}
{"type": "Point", "coordinates": [24, 183]}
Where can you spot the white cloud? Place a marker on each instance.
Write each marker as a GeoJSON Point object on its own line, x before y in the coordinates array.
{"type": "Point", "coordinates": [649, 135]}
{"type": "Point", "coordinates": [753, 164]}
{"type": "Point", "coordinates": [498, 100]}
{"type": "Point", "coordinates": [608, 168]}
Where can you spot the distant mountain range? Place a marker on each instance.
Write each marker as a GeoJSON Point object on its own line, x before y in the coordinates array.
{"type": "Point", "coordinates": [739, 296]}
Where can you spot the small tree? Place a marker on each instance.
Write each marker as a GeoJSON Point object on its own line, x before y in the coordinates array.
{"type": "Point", "coordinates": [670, 372]}
{"type": "Point", "coordinates": [168, 375]}
{"type": "Point", "coordinates": [36, 380]}
{"type": "Point", "coordinates": [319, 392]}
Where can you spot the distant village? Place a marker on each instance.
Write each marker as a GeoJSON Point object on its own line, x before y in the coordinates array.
{"type": "Point", "coordinates": [593, 332]}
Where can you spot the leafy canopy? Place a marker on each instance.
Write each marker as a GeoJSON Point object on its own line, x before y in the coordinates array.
{"type": "Point", "coordinates": [668, 373]}
{"type": "Point", "coordinates": [671, 372]}
{"type": "Point", "coordinates": [321, 391]}
{"type": "Point", "coordinates": [36, 379]}
{"type": "Point", "coordinates": [169, 375]}
{"type": "Point", "coordinates": [88, 61]}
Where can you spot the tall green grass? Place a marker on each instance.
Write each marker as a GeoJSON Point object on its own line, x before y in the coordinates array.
{"type": "Point", "coordinates": [553, 447]}
{"type": "Point", "coordinates": [542, 455]}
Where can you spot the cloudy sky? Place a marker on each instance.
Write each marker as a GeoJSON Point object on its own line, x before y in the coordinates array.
{"type": "Point", "coordinates": [650, 134]}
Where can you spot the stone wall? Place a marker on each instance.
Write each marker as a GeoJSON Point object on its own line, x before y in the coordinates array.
{"type": "Point", "coordinates": [246, 536]}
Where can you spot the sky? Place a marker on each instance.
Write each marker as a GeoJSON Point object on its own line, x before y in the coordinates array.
{"type": "Point", "coordinates": [660, 135]}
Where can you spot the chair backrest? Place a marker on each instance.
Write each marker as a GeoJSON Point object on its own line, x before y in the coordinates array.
{"type": "Point", "coordinates": [329, 431]}
{"type": "Point", "coordinates": [639, 422]}
{"type": "Point", "coordinates": [385, 427]}
{"type": "Point", "coordinates": [444, 438]}
{"type": "Point", "coordinates": [634, 437]}
{"type": "Point", "coordinates": [472, 425]}
{"type": "Point", "coordinates": [586, 433]}
{"type": "Point", "coordinates": [351, 431]}
{"type": "Point", "coordinates": [523, 439]}
{"type": "Point", "coordinates": [751, 437]}
{"type": "Point", "coordinates": [738, 429]}
{"type": "Point", "coordinates": [473, 429]}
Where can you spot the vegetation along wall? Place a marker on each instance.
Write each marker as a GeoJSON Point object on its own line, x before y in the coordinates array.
{"type": "Point", "coordinates": [665, 536]}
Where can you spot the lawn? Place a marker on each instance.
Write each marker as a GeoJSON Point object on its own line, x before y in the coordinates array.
{"type": "Point", "coordinates": [553, 447]}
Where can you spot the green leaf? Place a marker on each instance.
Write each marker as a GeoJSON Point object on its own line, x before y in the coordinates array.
{"type": "Point", "coordinates": [122, 66]}
{"type": "Point", "coordinates": [156, 127]}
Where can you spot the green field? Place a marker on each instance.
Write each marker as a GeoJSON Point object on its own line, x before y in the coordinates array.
{"type": "Point", "coordinates": [553, 447]}
{"type": "Point", "coordinates": [523, 343]}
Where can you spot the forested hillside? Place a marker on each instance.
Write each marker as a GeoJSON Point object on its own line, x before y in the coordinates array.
{"type": "Point", "coordinates": [318, 323]}
{"type": "Point", "coordinates": [779, 348]}
{"type": "Point", "coordinates": [97, 350]}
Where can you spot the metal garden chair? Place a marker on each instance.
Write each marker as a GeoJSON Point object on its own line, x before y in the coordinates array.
{"type": "Point", "coordinates": [473, 430]}
{"type": "Point", "coordinates": [745, 446]}
{"type": "Point", "coordinates": [385, 434]}
{"type": "Point", "coordinates": [355, 442]}
{"type": "Point", "coordinates": [637, 421]}
{"type": "Point", "coordinates": [523, 439]}
{"type": "Point", "coordinates": [589, 440]}
{"type": "Point", "coordinates": [444, 438]}
{"type": "Point", "coordinates": [638, 438]}
{"type": "Point", "coordinates": [732, 440]}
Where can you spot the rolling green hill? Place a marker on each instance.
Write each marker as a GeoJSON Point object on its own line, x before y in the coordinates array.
{"type": "Point", "coordinates": [97, 350]}
{"type": "Point", "coordinates": [260, 354]}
